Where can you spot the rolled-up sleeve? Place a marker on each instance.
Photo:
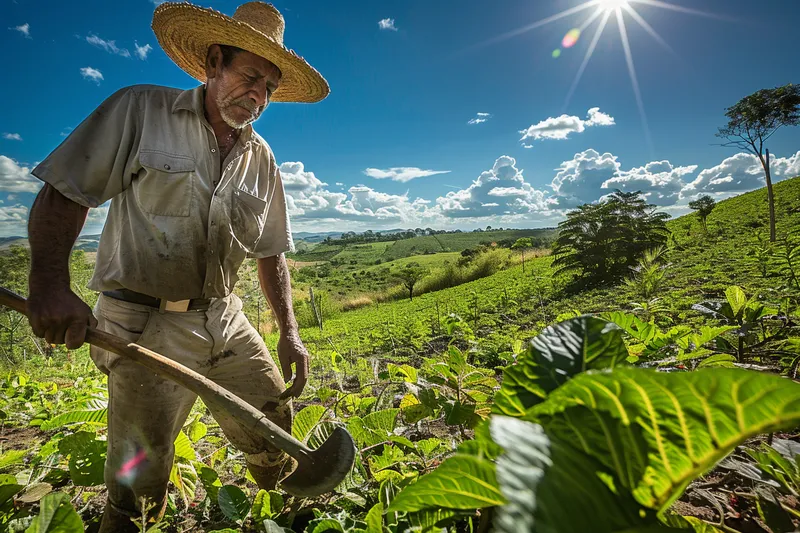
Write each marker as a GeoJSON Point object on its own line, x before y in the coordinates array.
{"type": "Point", "coordinates": [96, 161]}
{"type": "Point", "coordinates": [277, 235]}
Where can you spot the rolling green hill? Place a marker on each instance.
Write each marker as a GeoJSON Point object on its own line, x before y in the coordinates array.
{"type": "Point", "coordinates": [511, 305]}
{"type": "Point", "coordinates": [424, 244]}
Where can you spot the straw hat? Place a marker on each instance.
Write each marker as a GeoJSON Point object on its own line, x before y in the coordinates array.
{"type": "Point", "coordinates": [186, 31]}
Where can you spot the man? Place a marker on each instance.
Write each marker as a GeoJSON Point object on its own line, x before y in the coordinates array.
{"type": "Point", "coordinates": [194, 190]}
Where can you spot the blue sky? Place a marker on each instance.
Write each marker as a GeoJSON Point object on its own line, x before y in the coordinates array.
{"type": "Point", "coordinates": [393, 146]}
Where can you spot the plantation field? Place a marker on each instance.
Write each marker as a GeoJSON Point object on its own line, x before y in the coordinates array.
{"type": "Point", "coordinates": [618, 412]}
{"type": "Point", "coordinates": [368, 253]}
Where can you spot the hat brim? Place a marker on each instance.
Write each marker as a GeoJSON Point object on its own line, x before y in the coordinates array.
{"type": "Point", "coordinates": [185, 32]}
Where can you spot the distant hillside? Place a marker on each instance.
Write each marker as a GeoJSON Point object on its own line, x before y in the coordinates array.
{"type": "Point", "coordinates": [424, 244]}
{"type": "Point", "coordinates": [87, 243]}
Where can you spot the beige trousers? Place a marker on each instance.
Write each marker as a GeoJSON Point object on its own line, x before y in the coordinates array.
{"type": "Point", "coordinates": [146, 412]}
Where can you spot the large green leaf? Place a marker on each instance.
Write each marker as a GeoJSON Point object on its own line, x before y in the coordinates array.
{"type": "Point", "coordinates": [737, 299]}
{"type": "Point", "coordinates": [658, 431]}
{"type": "Point", "coordinates": [184, 476]}
{"type": "Point", "coordinates": [306, 420]}
{"type": "Point", "coordinates": [184, 448]}
{"type": "Point", "coordinates": [558, 353]}
{"type": "Point", "coordinates": [94, 412]}
{"type": "Point", "coordinates": [546, 482]}
{"type": "Point", "coordinates": [12, 457]}
{"type": "Point", "coordinates": [8, 487]}
{"type": "Point", "coordinates": [209, 478]}
{"type": "Point", "coordinates": [233, 502]}
{"type": "Point", "coordinates": [87, 457]}
{"type": "Point", "coordinates": [267, 505]}
{"type": "Point", "coordinates": [460, 482]}
{"type": "Point", "coordinates": [56, 515]}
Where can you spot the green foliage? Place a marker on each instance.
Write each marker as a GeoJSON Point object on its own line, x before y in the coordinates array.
{"type": "Point", "coordinates": [409, 276]}
{"type": "Point", "coordinates": [755, 117]}
{"type": "Point", "coordinates": [234, 503]}
{"type": "Point", "coordinates": [56, 515]}
{"type": "Point", "coordinates": [599, 243]}
{"type": "Point", "coordinates": [622, 444]}
{"type": "Point", "coordinates": [704, 206]}
{"type": "Point", "coordinates": [560, 352]}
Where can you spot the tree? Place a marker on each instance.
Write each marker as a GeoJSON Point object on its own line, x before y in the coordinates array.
{"type": "Point", "coordinates": [753, 120]}
{"type": "Point", "coordinates": [599, 243]}
{"type": "Point", "coordinates": [703, 205]}
{"type": "Point", "coordinates": [522, 244]}
{"type": "Point", "coordinates": [409, 275]}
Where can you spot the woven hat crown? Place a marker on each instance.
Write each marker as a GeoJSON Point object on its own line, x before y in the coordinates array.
{"type": "Point", "coordinates": [263, 18]}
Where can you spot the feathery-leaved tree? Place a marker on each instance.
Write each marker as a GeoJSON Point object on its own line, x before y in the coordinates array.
{"type": "Point", "coordinates": [753, 120]}
{"type": "Point", "coordinates": [599, 243]}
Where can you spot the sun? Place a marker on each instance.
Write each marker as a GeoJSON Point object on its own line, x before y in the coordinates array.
{"type": "Point", "coordinates": [612, 5]}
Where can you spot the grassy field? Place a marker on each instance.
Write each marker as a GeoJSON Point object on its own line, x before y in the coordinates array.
{"type": "Point", "coordinates": [412, 381]}
{"type": "Point", "coordinates": [424, 244]}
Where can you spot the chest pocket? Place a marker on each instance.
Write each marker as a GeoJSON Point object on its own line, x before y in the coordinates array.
{"type": "Point", "coordinates": [166, 184]}
{"type": "Point", "coordinates": [248, 215]}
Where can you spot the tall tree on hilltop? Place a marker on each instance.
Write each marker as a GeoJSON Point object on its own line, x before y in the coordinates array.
{"type": "Point", "coordinates": [598, 243]}
{"type": "Point", "coordinates": [753, 120]}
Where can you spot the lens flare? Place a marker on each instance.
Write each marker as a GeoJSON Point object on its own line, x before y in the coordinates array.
{"type": "Point", "coordinates": [556, 53]}
{"type": "Point", "coordinates": [131, 467]}
{"type": "Point", "coordinates": [571, 38]}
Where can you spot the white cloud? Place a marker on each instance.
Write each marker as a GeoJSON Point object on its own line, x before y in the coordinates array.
{"type": "Point", "coordinates": [401, 174]}
{"type": "Point", "coordinates": [480, 118]}
{"type": "Point", "coordinates": [12, 136]}
{"type": "Point", "coordinates": [500, 191]}
{"type": "Point", "coordinates": [741, 172]}
{"type": "Point", "coordinates": [387, 24]}
{"type": "Point", "coordinates": [96, 219]}
{"type": "Point", "coordinates": [659, 181]}
{"type": "Point", "coordinates": [308, 199]}
{"type": "Point", "coordinates": [339, 184]}
{"type": "Point", "coordinates": [13, 220]}
{"type": "Point", "coordinates": [16, 178]}
{"type": "Point", "coordinates": [560, 127]}
{"type": "Point", "coordinates": [142, 51]}
{"type": "Point", "coordinates": [108, 46]}
{"type": "Point", "coordinates": [24, 29]}
{"type": "Point", "coordinates": [579, 180]}
{"type": "Point", "coordinates": [92, 74]}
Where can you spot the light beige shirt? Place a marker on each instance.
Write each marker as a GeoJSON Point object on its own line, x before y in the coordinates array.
{"type": "Point", "coordinates": [177, 227]}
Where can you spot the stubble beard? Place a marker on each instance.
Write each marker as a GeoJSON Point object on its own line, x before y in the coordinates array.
{"type": "Point", "coordinates": [226, 108]}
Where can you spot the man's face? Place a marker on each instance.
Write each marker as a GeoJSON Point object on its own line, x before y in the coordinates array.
{"type": "Point", "coordinates": [241, 90]}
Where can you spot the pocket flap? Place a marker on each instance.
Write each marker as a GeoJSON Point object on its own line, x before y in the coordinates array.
{"type": "Point", "coordinates": [166, 162]}
{"type": "Point", "coordinates": [255, 203]}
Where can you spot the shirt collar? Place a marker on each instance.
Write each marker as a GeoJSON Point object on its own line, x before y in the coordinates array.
{"type": "Point", "coordinates": [190, 100]}
{"type": "Point", "coordinates": [194, 100]}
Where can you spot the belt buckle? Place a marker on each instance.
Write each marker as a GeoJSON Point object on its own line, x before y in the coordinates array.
{"type": "Point", "coordinates": [180, 306]}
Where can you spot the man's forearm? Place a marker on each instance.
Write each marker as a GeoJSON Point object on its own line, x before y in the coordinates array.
{"type": "Point", "coordinates": [53, 226]}
{"type": "Point", "coordinates": [273, 274]}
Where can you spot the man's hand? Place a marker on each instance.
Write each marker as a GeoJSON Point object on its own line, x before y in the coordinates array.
{"type": "Point", "coordinates": [59, 316]}
{"type": "Point", "coordinates": [291, 350]}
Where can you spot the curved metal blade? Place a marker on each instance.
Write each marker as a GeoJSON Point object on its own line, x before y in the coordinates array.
{"type": "Point", "coordinates": [323, 469]}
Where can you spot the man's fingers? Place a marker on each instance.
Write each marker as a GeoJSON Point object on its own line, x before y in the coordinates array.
{"type": "Point", "coordinates": [75, 335]}
{"type": "Point", "coordinates": [92, 322]}
{"type": "Point", "coordinates": [55, 335]}
{"type": "Point", "coordinates": [300, 379]}
{"type": "Point", "coordinates": [286, 367]}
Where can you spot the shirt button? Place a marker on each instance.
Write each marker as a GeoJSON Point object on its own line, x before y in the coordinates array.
{"type": "Point", "coordinates": [166, 167]}
{"type": "Point", "coordinates": [213, 150]}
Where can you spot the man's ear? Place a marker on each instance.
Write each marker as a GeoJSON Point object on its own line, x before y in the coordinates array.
{"type": "Point", "coordinates": [213, 61]}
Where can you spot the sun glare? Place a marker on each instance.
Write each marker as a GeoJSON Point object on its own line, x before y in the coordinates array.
{"type": "Point", "coordinates": [611, 5]}
{"type": "Point", "coordinates": [604, 11]}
